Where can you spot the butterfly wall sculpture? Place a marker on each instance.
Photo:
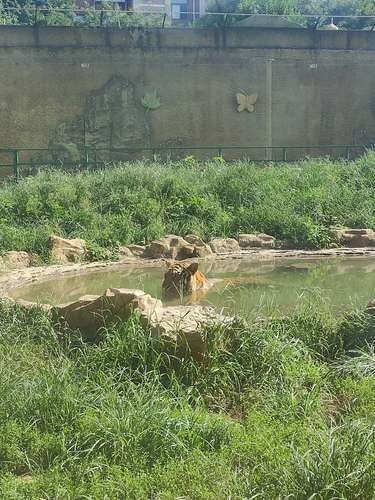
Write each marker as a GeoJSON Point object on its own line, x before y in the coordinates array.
{"type": "Point", "coordinates": [246, 102]}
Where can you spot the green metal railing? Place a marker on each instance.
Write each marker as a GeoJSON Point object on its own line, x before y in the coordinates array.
{"type": "Point", "coordinates": [28, 161]}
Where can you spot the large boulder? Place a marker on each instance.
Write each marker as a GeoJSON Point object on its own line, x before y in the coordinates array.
{"type": "Point", "coordinates": [91, 312]}
{"type": "Point", "coordinates": [193, 239]}
{"type": "Point", "coordinates": [183, 325]}
{"type": "Point", "coordinates": [64, 251]}
{"type": "Point", "coordinates": [15, 260]}
{"type": "Point", "coordinates": [136, 250]}
{"type": "Point", "coordinates": [178, 248]}
{"type": "Point", "coordinates": [287, 244]}
{"type": "Point", "coordinates": [354, 238]}
{"type": "Point", "coordinates": [125, 253]}
{"type": "Point", "coordinates": [201, 249]}
{"type": "Point", "coordinates": [224, 245]}
{"type": "Point", "coordinates": [157, 249]}
{"type": "Point", "coordinates": [256, 240]}
{"type": "Point", "coordinates": [170, 247]}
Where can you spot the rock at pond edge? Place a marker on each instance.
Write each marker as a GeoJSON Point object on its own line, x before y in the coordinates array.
{"type": "Point", "coordinates": [64, 251]}
{"type": "Point", "coordinates": [136, 250]}
{"type": "Point", "coordinates": [256, 241]}
{"type": "Point", "coordinates": [353, 238]}
{"type": "Point", "coordinates": [15, 260]}
{"type": "Point", "coordinates": [183, 325]}
{"type": "Point", "coordinates": [224, 245]}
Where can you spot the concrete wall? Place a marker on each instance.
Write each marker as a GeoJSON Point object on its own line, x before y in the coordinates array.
{"type": "Point", "coordinates": [84, 86]}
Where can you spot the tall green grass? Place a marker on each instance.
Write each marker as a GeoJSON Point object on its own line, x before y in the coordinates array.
{"type": "Point", "coordinates": [138, 202]}
{"type": "Point", "coordinates": [280, 409]}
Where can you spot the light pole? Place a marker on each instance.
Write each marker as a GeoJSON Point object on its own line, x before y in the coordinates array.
{"type": "Point", "coordinates": [269, 108]}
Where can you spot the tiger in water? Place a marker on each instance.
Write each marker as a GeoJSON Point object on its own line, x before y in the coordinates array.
{"type": "Point", "coordinates": [183, 278]}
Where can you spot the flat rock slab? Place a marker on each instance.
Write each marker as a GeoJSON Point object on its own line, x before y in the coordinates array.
{"type": "Point", "coordinates": [256, 240]}
{"type": "Point", "coordinates": [354, 238]}
{"type": "Point", "coordinates": [224, 245]}
{"type": "Point", "coordinates": [184, 325]}
{"type": "Point", "coordinates": [90, 313]}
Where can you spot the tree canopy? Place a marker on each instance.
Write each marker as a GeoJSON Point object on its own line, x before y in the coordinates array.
{"type": "Point", "coordinates": [321, 10]}
{"type": "Point", "coordinates": [42, 12]}
{"type": "Point", "coordinates": [70, 13]}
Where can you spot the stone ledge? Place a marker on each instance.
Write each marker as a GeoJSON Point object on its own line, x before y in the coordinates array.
{"type": "Point", "coordinates": [45, 37]}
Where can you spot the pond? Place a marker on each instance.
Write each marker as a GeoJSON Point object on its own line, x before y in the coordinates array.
{"type": "Point", "coordinates": [246, 286]}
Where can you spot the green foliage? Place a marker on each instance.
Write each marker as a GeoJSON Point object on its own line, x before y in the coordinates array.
{"type": "Point", "coordinates": [358, 330]}
{"type": "Point", "coordinates": [286, 7]}
{"type": "Point", "coordinates": [151, 100]}
{"type": "Point", "coordinates": [69, 13]}
{"type": "Point", "coordinates": [139, 202]}
{"type": "Point", "coordinates": [294, 10]}
{"type": "Point", "coordinates": [23, 12]}
{"type": "Point", "coordinates": [268, 414]}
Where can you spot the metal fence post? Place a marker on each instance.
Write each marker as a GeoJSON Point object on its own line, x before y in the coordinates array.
{"type": "Point", "coordinates": [348, 152]}
{"type": "Point", "coordinates": [16, 161]}
{"type": "Point", "coordinates": [87, 159]}
{"type": "Point", "coordinates": [95, 159]}
{"type": "Point", "coordinates": [284, 154]}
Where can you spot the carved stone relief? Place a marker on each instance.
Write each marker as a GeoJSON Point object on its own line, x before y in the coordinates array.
{"type": "Point", "coordinates": [113, 117]}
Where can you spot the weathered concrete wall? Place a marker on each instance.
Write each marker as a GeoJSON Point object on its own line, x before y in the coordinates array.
{"type": "Point", "coordinates": [84, 86]}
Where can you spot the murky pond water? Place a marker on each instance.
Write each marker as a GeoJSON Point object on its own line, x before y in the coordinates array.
{"type": "Point", "coordinates": [244, 286]}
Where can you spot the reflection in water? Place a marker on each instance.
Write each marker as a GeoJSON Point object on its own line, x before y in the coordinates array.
{"type": "Point", "coordinates": [244, 286]}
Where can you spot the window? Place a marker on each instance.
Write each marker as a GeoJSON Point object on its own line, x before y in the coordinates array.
{"type": "Point", "coordinates": [179, 9]}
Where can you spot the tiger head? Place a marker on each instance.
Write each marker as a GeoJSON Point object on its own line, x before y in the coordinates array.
{"type": "Point", "coordinates": [182, 278]}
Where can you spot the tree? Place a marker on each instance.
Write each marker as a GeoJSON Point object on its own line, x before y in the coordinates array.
{"type": "Point", "coordinates": [337, 8]}
{"type": "Point", "coordinates": [321, 10]}
{"type": "Point", "coordinates": [66, 13]}
{"type": "Point", "coordinates": [281, 7]}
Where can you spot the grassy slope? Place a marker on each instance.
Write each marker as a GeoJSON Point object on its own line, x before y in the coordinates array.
{"type": "Point", "coordinates": [276, 410]}
{"type": "Point", "coordinates": [137, 203]}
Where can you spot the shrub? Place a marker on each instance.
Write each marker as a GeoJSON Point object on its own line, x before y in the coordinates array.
{"type": "Point", "coordinates": [141, 201]}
